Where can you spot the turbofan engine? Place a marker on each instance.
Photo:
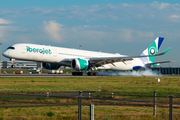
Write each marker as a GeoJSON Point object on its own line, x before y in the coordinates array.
{"type": "Point", "coordinates": [80, 64]}
{"type": "Point", "coordinates": [51, 66]}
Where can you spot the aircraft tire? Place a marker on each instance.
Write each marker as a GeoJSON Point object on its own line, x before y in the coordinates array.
{"type": "Point", "coordinates": [95, 73]}
{"type": "Point", "coordinates": [80, 73]}
{"type": "Point", "coordinates": [92, 73]}
{"type": "Point", "coordinates": [89, 73]}
{"type": "Point", "coordinates": [12, 66]}
{"type": "Point", "coordinates": [77, 73]}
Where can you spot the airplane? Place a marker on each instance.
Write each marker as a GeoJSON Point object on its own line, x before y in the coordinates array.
{"type": "Point", "coordinates": [83, 60]}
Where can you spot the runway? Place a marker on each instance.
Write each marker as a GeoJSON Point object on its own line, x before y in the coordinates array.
{"type": "Point", "coordinates": [70, 75]}
{"type": "Point", "coordinates": [41, 75]}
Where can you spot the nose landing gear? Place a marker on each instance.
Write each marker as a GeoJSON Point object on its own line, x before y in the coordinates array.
{"type": "Point", "coordinates": [12, 66]}
{"type": "Point", "coordinates": [12, 60]}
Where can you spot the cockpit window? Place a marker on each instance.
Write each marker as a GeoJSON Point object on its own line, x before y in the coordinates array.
{"type": "Point", "coordinates": [11, 48]}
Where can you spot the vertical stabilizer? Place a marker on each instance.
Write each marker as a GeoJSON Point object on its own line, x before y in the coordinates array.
{"type": "Point", "coordinates": [152, 50]}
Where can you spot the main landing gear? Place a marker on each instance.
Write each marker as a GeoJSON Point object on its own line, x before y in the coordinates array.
{"type": "Point", "coordinates": [77, 73]}
{"type": "Point", "coordinates": [81, 73]}
{"type": "Point", "coordinates": [92, 73]}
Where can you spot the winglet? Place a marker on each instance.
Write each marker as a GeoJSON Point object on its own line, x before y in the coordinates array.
{"type": "Point", "coordinates": [164, 51]}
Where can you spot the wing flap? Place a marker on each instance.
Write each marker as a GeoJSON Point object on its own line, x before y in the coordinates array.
{"type": "Point", "coordinates": [102, 61]}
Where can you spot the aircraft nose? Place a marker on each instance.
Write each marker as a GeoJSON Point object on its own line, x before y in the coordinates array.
{"type": "Point", "coordinates": [5, 53]}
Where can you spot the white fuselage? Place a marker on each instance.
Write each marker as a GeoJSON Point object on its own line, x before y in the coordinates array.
{"type": "Point", "coordinates": [51, 54]}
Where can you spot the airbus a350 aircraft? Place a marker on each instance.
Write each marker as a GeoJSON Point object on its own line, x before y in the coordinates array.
{"type": "Point", "coordinates": [54, 57]}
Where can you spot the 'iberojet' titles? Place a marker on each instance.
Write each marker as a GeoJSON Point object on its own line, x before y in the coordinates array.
{"type": "Point", "coordinates": [37, 50]}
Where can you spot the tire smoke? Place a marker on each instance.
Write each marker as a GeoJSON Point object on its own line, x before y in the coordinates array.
{"type": "Point", "coordinates": [146, 72]}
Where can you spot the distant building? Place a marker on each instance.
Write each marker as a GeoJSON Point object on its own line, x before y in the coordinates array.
{"type": "Point", "coordinates": [21, 65]}
{"type": "Point", "coordinates": [167, 70]}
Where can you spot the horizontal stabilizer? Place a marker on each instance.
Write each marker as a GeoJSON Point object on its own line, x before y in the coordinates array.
{"type": "Point", "coordinates": [159, 62]}
{"type": "Point", "coordinates": [164, 51]}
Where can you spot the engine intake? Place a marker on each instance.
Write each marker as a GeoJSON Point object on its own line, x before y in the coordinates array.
{"type": "Point", "coordinates": [80, 64]}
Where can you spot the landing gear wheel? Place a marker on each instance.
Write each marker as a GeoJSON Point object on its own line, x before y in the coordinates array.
{"type": "Point", "coordinates": [77, 73]}
{"type": "Point", "coordinates": [89, 73]}
{"type": "Point", "coordinates": [95, 73]}
{"type": "Point", "coordinates": [12, 66]}
{"type": "Point", "coordinates": [92, 73]}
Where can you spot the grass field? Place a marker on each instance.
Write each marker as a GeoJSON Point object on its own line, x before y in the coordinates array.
{"type": "Point", "coordinates": [120, 85]}
{"type": "Point", "coordinates": [71, 112]}
{"type": "Point", "coordinates": [128, 84]}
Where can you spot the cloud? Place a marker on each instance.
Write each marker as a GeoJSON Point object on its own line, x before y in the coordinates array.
{"type": "Point", "coordinates": [96, 22]}
{"type": "Point", "coordinates": [101, 34]}
{"type": "Point", "coordinates": [4, 29]}
{"type": "Point", "coordinates": [4, 33]}
{"type": "Point", "coordinates": [3, 21]}
{"type": "Point", "coordinates": [160, 6]}
{"type": "Point", "coordinates": [127, 34]}
{"type": "Point", "coordinates": [140, 11]}
{"type": "Point", "coordinates": [145, 34]}
{"type": "Point", "coordinates": [174, 16]}
{"type": "Point", "coordinates": [84, 34]}
{"type": "Point", "coordinates": [105, 27]}
{"type": "Point", "coordinates": [54, 29]}
{"type": "Point", "coordinates": [1, 31]}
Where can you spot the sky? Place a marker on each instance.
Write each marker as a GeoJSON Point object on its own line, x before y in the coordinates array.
{"type": "Point", "coordinates": [115, 26]}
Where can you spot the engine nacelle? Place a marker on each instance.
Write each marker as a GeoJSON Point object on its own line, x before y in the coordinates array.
{"type": "Point", "coordinates": [51, 66]}
{"type": "Point", "coordinates": [80, 64]}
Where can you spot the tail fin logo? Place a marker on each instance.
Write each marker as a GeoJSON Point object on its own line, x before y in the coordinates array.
{"type": "Point", "coordinates": [152, 50]}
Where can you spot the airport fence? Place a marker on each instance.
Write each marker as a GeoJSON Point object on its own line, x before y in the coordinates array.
{"type": "Point", "coordinates": [91, 99]}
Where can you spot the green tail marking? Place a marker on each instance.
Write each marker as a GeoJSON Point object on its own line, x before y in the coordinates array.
{"type": "Point", "coordinates": [152, 50]}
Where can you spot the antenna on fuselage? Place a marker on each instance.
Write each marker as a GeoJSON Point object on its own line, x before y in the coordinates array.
{"type": "Point", "coordinates": [80, 46]}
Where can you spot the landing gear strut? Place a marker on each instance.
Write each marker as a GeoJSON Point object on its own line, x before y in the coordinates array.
{"type": "Point", "coordinates": [12, 60]}
{"type": "Point", "coordinates": [92, 73]}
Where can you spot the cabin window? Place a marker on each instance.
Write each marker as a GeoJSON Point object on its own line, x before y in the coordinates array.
{"type": "Point", "coordinates": [11, 48]}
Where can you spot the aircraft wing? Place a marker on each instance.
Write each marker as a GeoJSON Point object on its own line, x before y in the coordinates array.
{"type": "Point", "coordinates": [99, 61]}
{"type": "Point", "coordinates": [106, 60]}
